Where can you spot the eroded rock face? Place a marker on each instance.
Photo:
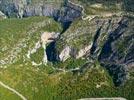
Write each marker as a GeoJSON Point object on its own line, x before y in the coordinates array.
{"type": "Point", "coordinates": [41, 9]}
{"type": "Point", "coordinates": [85, 35]}
{"type": "Point", "coordinates": [60, 10]}
{"type": "Point", "coordinates": [113, 48]}
{"type": "Point", "coordinates": [46, 38]}
{"type": "Point", "coordinates": [68, 52]}
{"type": "Point", "coordinates": [69, 12]}
{"type": "Point", "coordinates": [115, 51]}
{"type": "Point", "coordinates": [65, 54]}
{"type": "Point", "coordinates": [83, 51]}
{"type": "Point", "coordinates": [13, 8]}
{"type": "Point", "coordinates": [109, 40]}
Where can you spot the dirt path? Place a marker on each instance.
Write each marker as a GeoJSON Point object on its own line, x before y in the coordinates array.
{"type": "Point", "coordinates": [13, 90]}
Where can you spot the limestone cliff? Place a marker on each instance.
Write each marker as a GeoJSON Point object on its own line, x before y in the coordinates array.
{"type": "Point", "coordinates": [110, 40]}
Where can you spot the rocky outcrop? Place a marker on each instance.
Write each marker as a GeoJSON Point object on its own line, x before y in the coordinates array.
{"type": "Point", "coordinates": [83, 51]}
{"type": "Point", "coordinates": [68, 52]}
{"type": "Point", "coordinates": [2, 15]}
{"type": "Point", "coordinates": [45, 9]}
{"type": "Point", "coordinates": [47, 38]}
{"type": "Point", "coordinates": [65, 54]}
{"type": "Point", "coordinates": [34, 50]}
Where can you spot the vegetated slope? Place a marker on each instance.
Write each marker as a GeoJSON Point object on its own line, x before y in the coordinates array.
{"type": "Point", "coordinates": [17, 36]}
{"type": "Point", "coordinates": [94, 55]}
{"type": "Point", "coordinates": [22, 34]}
{"type": "Point", "coordinates": [39, 82]}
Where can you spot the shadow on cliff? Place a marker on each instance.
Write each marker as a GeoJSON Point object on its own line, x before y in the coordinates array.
{"type": "Point", "coordinates": [116, 70]}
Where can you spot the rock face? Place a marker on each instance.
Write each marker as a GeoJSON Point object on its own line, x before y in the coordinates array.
{"type": "Point", "coordinates": [69, 12]}
{"type": "Point", "coordinates": [68, 52]}
{"type": "Point", "coordinates": [60, 10]}
{"type": "Point", "coordinates": [113, 56]}
{"type": "Point", "coordinates": [65, 54]}
{"type": "Point", "coordinates": [83, 52]}
{"type": "Point", "coordinates": [13, 8]}
{"type": "Point", "coordinates": [46, 38]}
